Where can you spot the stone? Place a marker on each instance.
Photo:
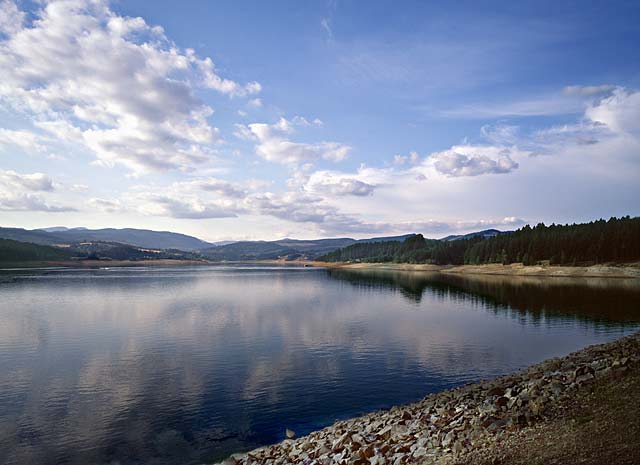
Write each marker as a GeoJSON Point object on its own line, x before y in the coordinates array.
{"type": "Point", "coordinates": [451, 422]}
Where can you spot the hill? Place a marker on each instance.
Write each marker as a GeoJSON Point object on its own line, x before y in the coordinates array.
{"type": "Point", "coordinates": [485, 234]}
{"type": "Point", "coordinates": [136, 237]}
{"type": "Point", "coordinates": [13, 252]}
{"type": "Point", "coordinates": [614, 241]}
{"type": "Point", "coordinates": [290, 249]}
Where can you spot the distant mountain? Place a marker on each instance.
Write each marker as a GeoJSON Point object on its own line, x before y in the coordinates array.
{"type": "Point", "coordinates": [53, 229]}
{"type": "Point", "coordinates": [136, 237]}
{"type": "Point", "coordinates": [249, 250]}
{"type": "Point", "coordinates": [388, 238]}
{"type": "Point", "coordinates": [485, 233]}
{"type": "Point", "coordinates": [117, 251]}
{"type": "Point", "coordinates": [35, 236]}
{"type": "Point", "coordinates": [285, 248]}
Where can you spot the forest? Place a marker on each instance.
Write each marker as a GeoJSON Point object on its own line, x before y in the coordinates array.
{"type": "Point", "coordinates": [614, 241]}
{"type": "Point", "coordinates": [14, 251]}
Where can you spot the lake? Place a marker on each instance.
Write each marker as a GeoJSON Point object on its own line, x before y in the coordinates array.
{"type": "Point", "coordinates": [188, 364]}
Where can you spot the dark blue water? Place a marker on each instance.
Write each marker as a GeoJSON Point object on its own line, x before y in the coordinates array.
{"type": "Point", "coordinates": [185, 365]}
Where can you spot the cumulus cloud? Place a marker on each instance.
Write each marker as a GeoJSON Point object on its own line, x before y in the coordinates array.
{"type": "Point", "coordinates": [273, 145]}
{"type": "Point", "coordinates": [105, 205]}
{"type": "Point", "coordinates": [176, 206]}
{"type": "Point", "coordinates": [337, 184]}
{"type": "Point", "coordinates": [29, 182]}
{"type": "Point", "coordinates": [116, 84]}
{"type": "Point", "coordinates": [218, 186]}
{"type": "Point", "coordinates": [412, 159]}
{"type": "Point", "coordinates": [25, 140]}
{"type": "Point", "coordinates": [24, 192]}
{"type": "Point", "coordinates": [620, 112]}
{"type": "Point", "coordinates": [466, 160]}
{"type": "Point", "coordinates": [11, 18]}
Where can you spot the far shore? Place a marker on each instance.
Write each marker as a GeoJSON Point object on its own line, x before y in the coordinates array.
{"type": "Point", "coordinates": [100, 263]}
{"type": "Point", "coordinates": [629, 270]}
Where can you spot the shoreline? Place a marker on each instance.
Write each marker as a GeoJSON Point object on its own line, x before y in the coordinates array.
{"type": "Point", "coordinates": [621, 271]}
{"type": "Point", "coordinates": [631, 270]}
{"type": "Point", "coordinates": [517, 418]}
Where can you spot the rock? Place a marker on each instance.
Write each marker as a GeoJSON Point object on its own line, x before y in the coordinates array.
{"type": "Point", "coordinates": [448, 439]}
{"type": "Point", "coordinates": [449, 423]}
{"type": "Point", "coordinates": [496, 391]}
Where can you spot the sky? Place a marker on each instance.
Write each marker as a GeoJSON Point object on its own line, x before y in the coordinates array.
{"type": "Point", "coordinates": [233, 120]}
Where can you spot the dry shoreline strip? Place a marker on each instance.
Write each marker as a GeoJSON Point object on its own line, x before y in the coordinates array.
{"type": "Point", "coordinates": [631, 270]}
{"type": "Point", "coordinates": [552, 412]}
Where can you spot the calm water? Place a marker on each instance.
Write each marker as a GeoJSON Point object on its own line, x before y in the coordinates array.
{"type": "Point", "coordinates": [184, 365]}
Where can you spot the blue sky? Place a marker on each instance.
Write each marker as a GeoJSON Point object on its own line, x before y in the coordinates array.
{"type": "Point", "coordinates": [232, 120]}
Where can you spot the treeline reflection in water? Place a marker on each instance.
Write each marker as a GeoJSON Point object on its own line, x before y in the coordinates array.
{"type": "Point", "coordinates": [602, 300]}
{"type": "Point", "coordinates": [186, 365]}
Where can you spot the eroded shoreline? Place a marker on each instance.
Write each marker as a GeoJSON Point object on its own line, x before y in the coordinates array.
{"type": "Point", "coordinates": [631, 270]}
{"type": "Point", "coordinates": [448, 426]}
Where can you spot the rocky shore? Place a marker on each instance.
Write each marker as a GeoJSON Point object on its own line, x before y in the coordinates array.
{"type": "Point", "coordinates": [453, 426]}
{"type": "Point", "coordinates": [627, 270]}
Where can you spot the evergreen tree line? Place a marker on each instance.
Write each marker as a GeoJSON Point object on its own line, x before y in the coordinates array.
{"type": "Point", "coordinates": [616, 240]}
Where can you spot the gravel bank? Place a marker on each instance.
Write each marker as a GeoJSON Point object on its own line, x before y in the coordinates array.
{"type": "Point", "coordinates": [629, 270]}
{"type": "Point", "coordinates": [456, 426]}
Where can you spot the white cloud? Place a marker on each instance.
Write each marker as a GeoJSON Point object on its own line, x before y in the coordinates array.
{"type": "Point", "coordinates": [620, 112]}
{"type": "Point", "coordinates": [11, 18]}
{"type": "Point", "coordinates": [28, 182]}
{"type": "Point", "coordinates": [467, 160]}
{"type": "Point", "coordinates": [177, 206]}
{"type": "Point", "coordinates": [412, 159]}
{"type": "Point", "coordinates": [217, 186]}
{"type": "Point", "coordinates": [23, 192]}
{"type": "Point", "coordinates": [25, 140]}
{"type": "Point", "coordinates": [302, 121]}
{"type": "Point", "coordinates": [105, 205]}
{"type": "Point", "coordinates": [116, 84]}
{"type": "Point", "coordinates": [500, 134]}
{"type": "Point", "coordinates": [273, 145]}
{"type": "Point", "coordinates": [334, 183]}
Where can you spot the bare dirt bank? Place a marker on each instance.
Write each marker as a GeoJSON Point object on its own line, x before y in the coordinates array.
{"type": "Point", "coordinates": [582, 408]}
{"type": "Point", "coordinates": [516, 269]}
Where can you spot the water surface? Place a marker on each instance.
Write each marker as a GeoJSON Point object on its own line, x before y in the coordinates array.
{"type": "Point", "coordinates": [188, 364]}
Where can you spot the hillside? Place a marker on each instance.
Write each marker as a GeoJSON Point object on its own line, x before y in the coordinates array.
{"type": "Point", "coordinates": [290, 249]}
{"type": "Point", "coordinates": [14, 252]}
{"type": "Point", "coordinates": [135, 237]}
{"type": "Point", "coordinates": [484, 234]}
{"type": "Point", "coordinates": [612, 241]}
